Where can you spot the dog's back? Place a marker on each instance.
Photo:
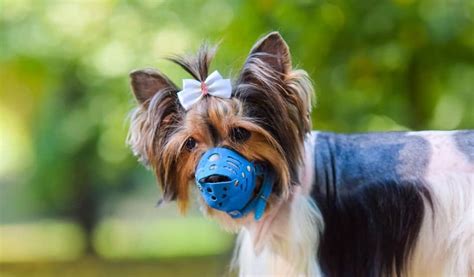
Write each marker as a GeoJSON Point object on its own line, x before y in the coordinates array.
{"type": "Point", "coordinates": [396, 202]}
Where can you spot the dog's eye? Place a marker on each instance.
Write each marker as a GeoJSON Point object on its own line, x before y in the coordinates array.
{"type": "Point", "coordinates": [190, 143]}
{"type": "Point", "coordinates": [239, 134]}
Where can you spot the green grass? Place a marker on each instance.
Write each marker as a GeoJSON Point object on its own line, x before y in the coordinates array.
{"type": "Point", "coordinates": [90, 267]}
{"type": "Point", "coordinates": [162, 238]}
{"type": "Point", "coordinates": [113, 239]}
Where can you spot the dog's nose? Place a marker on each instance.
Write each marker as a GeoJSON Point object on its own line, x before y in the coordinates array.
{"type": "Point", "coordinates": [215, 178]}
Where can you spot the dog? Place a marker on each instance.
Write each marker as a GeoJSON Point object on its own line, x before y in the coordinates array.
{"type": "Point", "coordinates": [305, 203]}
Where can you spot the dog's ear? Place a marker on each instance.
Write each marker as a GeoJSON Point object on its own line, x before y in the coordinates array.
{"type": "Point", "coordinates": [153, 122]}
{"type": "Point", "coordinates": [147, 82]}
{"type": "Point", "coordinates": [273, 50]}
{"type": "Point", "coordinates": [278, 96]}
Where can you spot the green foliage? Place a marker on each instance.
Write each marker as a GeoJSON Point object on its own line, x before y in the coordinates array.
{"type": "Point", "coordinates": [376, 65]}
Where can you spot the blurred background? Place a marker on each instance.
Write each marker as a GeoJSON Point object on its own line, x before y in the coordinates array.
{"type": "Point", "coordinates": [74, 201]}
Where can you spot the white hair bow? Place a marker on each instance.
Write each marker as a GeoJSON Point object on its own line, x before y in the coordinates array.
{"type": "Point", "coordinates": [193, 90]}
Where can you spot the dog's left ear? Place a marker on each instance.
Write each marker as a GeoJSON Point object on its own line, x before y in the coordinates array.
{"type": "Point", "coordinates": [278, 97]}
{"type": "Point", "coordinates": [273, 50]}
{"type": "Point", "coordinates": [270, 84]}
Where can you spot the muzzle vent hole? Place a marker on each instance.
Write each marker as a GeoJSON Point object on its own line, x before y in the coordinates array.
{"type": "Point", "coordinates": [213, 198]}
{"type": "Point", "coordinates": [209, 190]}
{"type": "Point", "coordinates": [224, 195]}
{"type": "Point", "coordinates": [233, 164]}
{"type": "Point", "coordinates": [225, 188]}
{"type": "Point", "coordinates": [230, 169]}
{"type": "Point", "coordinates": [212, 167]}
{"type": "Point", "coordinates": [219, 204]}
{"type": "Point", "coordinates": [234, 161]}
{"type": "Point", "coordinates": [214, 157]}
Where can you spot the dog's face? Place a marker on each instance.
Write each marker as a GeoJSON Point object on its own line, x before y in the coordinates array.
{"type": "Point", "coordinates": [265, 120]}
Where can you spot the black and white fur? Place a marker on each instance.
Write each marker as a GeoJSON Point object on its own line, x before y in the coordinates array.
{"type": "Point", "coordinates": [376, 204]}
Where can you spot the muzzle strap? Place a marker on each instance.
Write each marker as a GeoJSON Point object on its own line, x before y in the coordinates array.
{"type": "Point", "coordinates": [259, 202]}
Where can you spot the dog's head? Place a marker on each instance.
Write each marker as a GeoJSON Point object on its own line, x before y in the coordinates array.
{"type": "Point", "coordinates": [265, 121]}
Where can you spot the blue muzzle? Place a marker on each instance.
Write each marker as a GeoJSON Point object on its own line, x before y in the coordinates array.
{"type": "Point", "coordinates": [227, 182]}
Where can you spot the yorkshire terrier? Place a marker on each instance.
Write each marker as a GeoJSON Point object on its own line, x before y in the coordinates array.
{"type": "Point", "coordinates": [304, 202]}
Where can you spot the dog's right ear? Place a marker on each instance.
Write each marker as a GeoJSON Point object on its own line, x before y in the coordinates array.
{"type": "Point", "coordinates": [147, 82]}
{"type": "Point", "coordinates": [153, 122]}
